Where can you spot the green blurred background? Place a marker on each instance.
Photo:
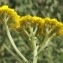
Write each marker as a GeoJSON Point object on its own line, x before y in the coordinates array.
{"type": "Point", "coordinates": [41, 8]}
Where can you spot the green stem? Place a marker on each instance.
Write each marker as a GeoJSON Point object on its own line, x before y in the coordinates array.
{"type": "Point", "coordinates": [35, 54]}
{"type": "Point", "coordinates": [33, 41]}
{"type": "Point", "coordinates": [46, 43]}
{"type": "Point", "coordinates": [12, 42]}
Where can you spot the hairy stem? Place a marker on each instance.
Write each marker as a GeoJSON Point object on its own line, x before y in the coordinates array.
{"type": "Point", "coordinates": [33, 41]}
{"type": "Point", "coordinates": [46, 43]}
{"type": "Point", "coordinates": [12, 42]}
{"type": "Point", "coordinates": [35, 54]}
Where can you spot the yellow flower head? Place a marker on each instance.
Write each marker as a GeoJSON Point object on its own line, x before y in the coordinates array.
{"type": "Point", "coordinates": [53, 24]}
{"type": "Point", "coordinates": [43, 24]}
{"type": "Point", "coordinates": [32, 21]}
{"type": "Point", "coordinates": [11, 14]}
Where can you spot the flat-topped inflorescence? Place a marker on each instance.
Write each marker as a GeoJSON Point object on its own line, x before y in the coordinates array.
{"type": "Point", "coordinates": [9, 13]}
{"type": "Point", "coordinates": [55, 25]}
{"type": "Point", "coordinates": [43, 24]}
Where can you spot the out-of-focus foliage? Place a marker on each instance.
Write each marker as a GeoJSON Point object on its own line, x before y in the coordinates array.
{"type": "Point", "coordinates": [42, 8]}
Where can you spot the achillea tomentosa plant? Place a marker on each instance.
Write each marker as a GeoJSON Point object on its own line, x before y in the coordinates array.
{"type": "Point", "coordinates": [38, 31]}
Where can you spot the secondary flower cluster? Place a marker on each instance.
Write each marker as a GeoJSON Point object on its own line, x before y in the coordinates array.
{"type": "Point", "coordinates": [43, 24]}
{"type": "Point", "coordinates": [12, 16]}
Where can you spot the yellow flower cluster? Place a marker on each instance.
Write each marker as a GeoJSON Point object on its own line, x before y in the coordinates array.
{"type": "Point", "coordinates": [25, 20]}
{"type": "Point", "coordinates": [43, 23]}
{"type": "Point", "coordinates": [11, 14]}
{"type": "Point", "coordinates": [53, 23]}
{"type": "Point", "coordinates": [33, 21]}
